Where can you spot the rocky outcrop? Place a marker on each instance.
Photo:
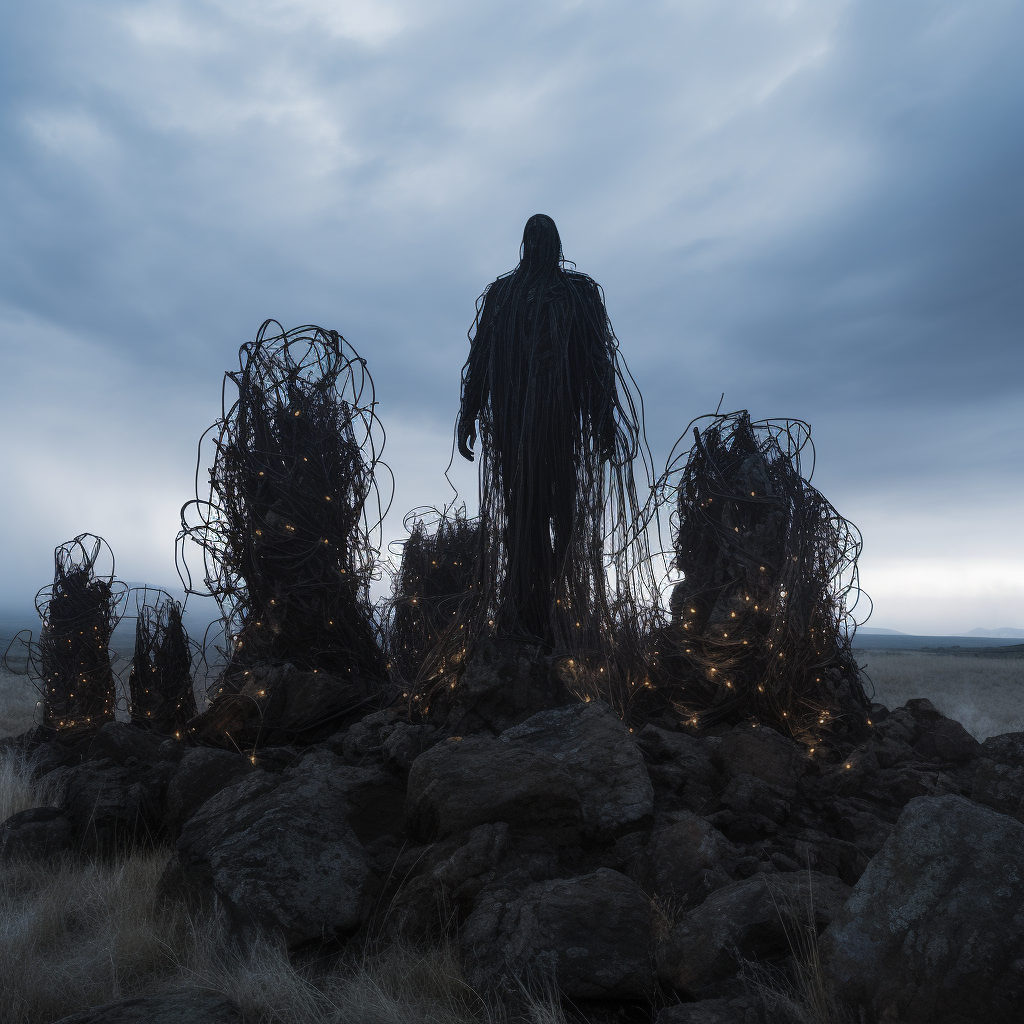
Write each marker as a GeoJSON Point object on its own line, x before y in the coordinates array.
{"type": "Point", "coordinates": [38, 833]}
{"type": "Point", "coordinates": [607, 768]}
{"type": "Point", "coordinates": [280, 853]}
{"type": "Point", "coordinates": [750, 919]}
{"type": "Point", "coordinates": [465, 782]}
{"type": "Point", "coordinates": [934, 929]}
{"type": "Point", "coordinates": [591, 936]}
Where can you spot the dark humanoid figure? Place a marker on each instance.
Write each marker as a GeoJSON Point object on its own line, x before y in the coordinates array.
{"type": "Point", "coordinates": [556, 443]}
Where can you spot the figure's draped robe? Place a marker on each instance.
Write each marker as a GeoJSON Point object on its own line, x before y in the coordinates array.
{"type": "Point", "coordinates": [541, 378]}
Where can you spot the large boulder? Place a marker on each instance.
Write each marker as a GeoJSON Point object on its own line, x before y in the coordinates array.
{"type": "Point", "coordinates": [279, 851]}
{"type": "Point", "coordinates": [439, 883]}
{"type": "Point", "coordinates": [602, 759]}
{"type": "Point", "coordinates": [749, 749]}
{"type": "Point", "coordinates": [503, 684]}
{"type": "Point", "coordinates": [590, 935]}
{"type": "Point", "coordinates": [111, 806]}
{"type": "Point", "coordinates": [934, 929]}
{"type": "Point", "coordinates": [202, 773]}
{"type": "Point", "coordinates": [1008, 748]}
{"type": "Point", "coordinates": [1000, 786]}
{"type": "Point", "coordinates": [36, 834]}
{"type": "Point", "coordinates": [688, 858]}
{"type": "Point", "coordinates": [165, 1008]}
{"type": "Point", "coordinates": [122, 742]}
{"type": "Point", "coordinates": [465, 782]}
{"type": "Point", "coordinates": [751, 919]}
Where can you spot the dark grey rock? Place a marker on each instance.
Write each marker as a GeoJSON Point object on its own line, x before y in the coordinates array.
{"type": "Point", "coordinates": [934, 929]}
{"type": "Point", "coordinates": [445, 879]}
{"type": "Point", "coordinates": [279, 851]}
{"type": "Point", "coordinates": [948, 741]}
{"type": "Point", "coordinates": [746, 919]}
{"type": "Point", "coordinates": [749, 749]}
{"type": "Point", "coordinates": [1000, 786]}
{"type": "Point", "coordinates": [685, 859]}
{"type": "Point", "coordinates": [166, 1008]}
{"type": "Point", "coordinates": [503, 684]}
{"type": "Point", "coordinates": [462, 783]}
{"type": "Point", "coordinates": [602, 759]}
{"type": "Point", "coordinates": [36, 834]}
{"type": "Point", "coordinates": [403, 742]}
{"type": "Point", "coordinates": [1007, 748]}
{"type": "Point", "coordinates": [710, 1011]}
{"type": "Point", "coordinates": [119, 741]}
{"type": "Point", "coordinates": [591, 935]}
{"type": "Point", "coordinates": [201, 773]}
{"type": "Point", "coordinates": [112, 807]}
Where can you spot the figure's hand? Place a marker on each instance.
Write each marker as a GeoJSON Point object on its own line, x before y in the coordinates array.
{"type": "Point", "coordinates": [466, 438]}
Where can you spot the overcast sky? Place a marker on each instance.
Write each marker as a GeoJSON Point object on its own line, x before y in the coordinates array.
{"type": "Point", "coordinates": [813, 207]}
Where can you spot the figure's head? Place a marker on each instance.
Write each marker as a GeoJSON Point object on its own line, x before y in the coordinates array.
{"type": "Point", "coordinates": [541, 245]}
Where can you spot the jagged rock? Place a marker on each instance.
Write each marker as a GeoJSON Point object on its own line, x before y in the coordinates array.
{"type": "Point", "coordinates": [828, 855]}
{"type": "Point", "coordinates": [681, 771]}
{"type": "Point", "coordinates": [865, 830]}
{"type": "Point", "coordinates": [1000, 786]}
{"type": "Point", "coordinates": [898, 786]}
{"type": "Point", "coordinates": [112, 807]}
{"type": "Point", "coordinates": [748, 749]}
{"type": "Point", "coordinates": [710, 1011]}
{"type": "Point", "coordinates": [166, 1008]}
{"type": "Point", "coordinates": [746, 794]}
{"type": "Point", "coordinates": [277, 704]}
{"type": "Point", "coordinates": [278, 849]}
{"type": "Point", "coordinates": [450, 875]}
{"type": "Point", "coordinates": [52, 755]}
{"type": "Point", "coordinates": [36, 834]}
{"type": "Point", "coordinates": [899, 725]}
{"type": "Point", "coordinates": [602, 759]}
{"type": "Point", "coordinates": [502, 685]}
{"type": "Point", "coordinates": [403, 742]}
{"type": "Point", "coordinates": [685, 859]}
{"type": "Point", "coordinates": [364, 740]}
{"type": "Point", "coordinates": [940, 737]}
{"type": "Point", "coordinates": [934, 929]}
{"type": "Point", "coordinates": [1005, 749]}
{"type": "Point", "coordinates": [889, 752]}
{"type": "Point", "coordinates": [462, 783]}
{"type": "Point", "coordinates": [591, 935]}
{"type": "Point", "coordinates": [201, 773]}
{"type": "Point", "coordinates": [748, 919]}
{"type": "Point", "coordinates": [120, 742]}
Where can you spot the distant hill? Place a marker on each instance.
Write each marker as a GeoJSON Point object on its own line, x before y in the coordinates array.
{"type": "Point", "coordinates": [1003, 631]}
{"type": "Point", "coordinates": [878, 631]}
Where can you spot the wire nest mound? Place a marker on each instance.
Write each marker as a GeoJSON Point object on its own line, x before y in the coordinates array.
{"type": "Point", "coordinates": [70, 663]}
{"type": "Point", "coordinates": [761, 623]}
{"type": "Point", "coordinates": [160, 691]}
{"type": "Point", "coordinates": [433, 587]}
{"type": "Point", "coordinates": [290, 530]}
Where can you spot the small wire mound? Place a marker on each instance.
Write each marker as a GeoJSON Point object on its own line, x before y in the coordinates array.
{"type": "Point", "coordinates": [761, 623]}
{"type": "Point", "coordinates": [434, 582]}
{"type": "Point", "coordinates": [290, 530]}
{"type": "Point", "coordinates": [70, 664]}
{"type": "Point", "coordinates": [160, 684]}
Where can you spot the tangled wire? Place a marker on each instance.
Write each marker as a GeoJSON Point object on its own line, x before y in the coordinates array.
{"type": "Point", "coordinates": [71, 661]}
{"type": "Point", "coordinates": [435, 580]}
{"type": "Point", "coordinates": [160, 683]}
{"type": "Point", "coordinates": [761, 624]}
{"type": "Point", "coordinates": [562, 551]}
{"type": "Point", "coordinates": [288, 530]}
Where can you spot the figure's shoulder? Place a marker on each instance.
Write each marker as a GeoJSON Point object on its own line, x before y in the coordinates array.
{"type": "Point", "coordinates": [584, 286]}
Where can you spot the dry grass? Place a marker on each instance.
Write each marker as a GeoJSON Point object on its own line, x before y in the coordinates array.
{"type": "Point", "coordinates": [985, 693]}
{"type": "Point", "coordinates": [17, 703]}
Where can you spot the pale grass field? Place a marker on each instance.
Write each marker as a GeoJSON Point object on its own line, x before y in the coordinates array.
{"type": "Point", "coordinates": [984, 693]}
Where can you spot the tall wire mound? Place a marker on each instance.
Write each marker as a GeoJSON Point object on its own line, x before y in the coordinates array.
{"type": "Point", "coordinates": [435, 580]}
{"type": "Point", "coordinates": [71, 662]}
{"type": "Point", "coordinates": [761, 625]}
{"type": "Point", "coordinates": [563, 556]}
{"type": "Point", "coordinates": [160, 684]}
{"type": "Point", "coordinates": [288, 532]}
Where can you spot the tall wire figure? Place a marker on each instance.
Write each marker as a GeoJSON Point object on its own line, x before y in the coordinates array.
{"type": "Point", "coordinates": [564, 561]}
